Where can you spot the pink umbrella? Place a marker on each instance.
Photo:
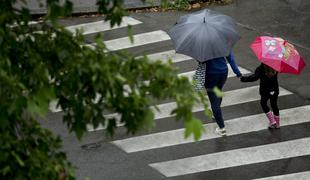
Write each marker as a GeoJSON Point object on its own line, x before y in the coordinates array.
{"type": "Point", "coordinates": [278, 54]}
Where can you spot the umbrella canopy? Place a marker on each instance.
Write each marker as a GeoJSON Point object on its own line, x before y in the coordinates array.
{"type": "Point", "coordinates": [278, 54]}
{"type": "Point", "coordinates": [204, 35]}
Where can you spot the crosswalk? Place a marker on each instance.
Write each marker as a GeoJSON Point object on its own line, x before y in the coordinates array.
{"type": "Point", "coordinates": [233, 158]}
{"type": "Point", "coordinates": [270, 151]}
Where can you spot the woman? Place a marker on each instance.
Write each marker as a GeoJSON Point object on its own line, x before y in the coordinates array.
{"type": "Point", "coordinates": [216, 76]}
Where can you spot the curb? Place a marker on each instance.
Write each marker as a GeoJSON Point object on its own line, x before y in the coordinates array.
{"type": "Point", "coordinates": [35, 10]}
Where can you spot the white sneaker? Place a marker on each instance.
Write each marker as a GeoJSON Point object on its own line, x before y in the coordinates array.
{"type": "Point", "coordinates": [220, 131]}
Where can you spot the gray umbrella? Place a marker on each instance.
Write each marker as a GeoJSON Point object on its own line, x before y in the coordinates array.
{"type": "Point", "coordinates": [204, 35]}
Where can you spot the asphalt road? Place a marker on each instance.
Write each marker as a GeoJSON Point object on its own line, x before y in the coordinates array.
{"type": "Point", "coordinates": [250, 151]}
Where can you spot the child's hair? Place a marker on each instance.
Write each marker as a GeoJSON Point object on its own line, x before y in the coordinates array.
{"type": "Point", "coordinates": [269, 71]}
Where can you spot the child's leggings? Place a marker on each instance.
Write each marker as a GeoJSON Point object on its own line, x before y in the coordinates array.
{"type": "Point", "coordinates": [273, 102]}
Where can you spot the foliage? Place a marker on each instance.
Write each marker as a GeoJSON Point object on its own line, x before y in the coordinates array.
{"type": "Point", "coordinates": [185, 4]}
{"type": "Point", "coordinates": [175, 4]}
{"type": "Point", "coordinates": [42, 63]}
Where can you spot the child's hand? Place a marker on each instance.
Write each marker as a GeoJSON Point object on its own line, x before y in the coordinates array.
{"type": "Point", "coordinates": [241, 78]}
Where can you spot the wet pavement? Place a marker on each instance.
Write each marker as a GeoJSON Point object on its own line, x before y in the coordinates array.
{"type": "Point", "coordinates": [289, 19]}
{"type": "Point", "coordinates": [97, 158]}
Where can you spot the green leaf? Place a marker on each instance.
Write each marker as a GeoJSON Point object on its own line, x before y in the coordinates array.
{"type": "Point", "coordinates": [6, 170]}
{"type": "Point", "coordinates": [218, 92]}
{"type": "Point", "coordinates": [194, 127]}
{"type": "Point", "coordinates": [99, 41]}
{"type": "Point", "coordinates": [129, 32]}
{"type": "Point", "coordinates": [208, 113]}
{"type": "Point", "coordinates": [20, 162]}
{"type": "Point", "coordinates": [149, 120]}
{"type": "Point", "coordinates": [40, 101]}
{"type": "Point", "coordinates": [35, 108]}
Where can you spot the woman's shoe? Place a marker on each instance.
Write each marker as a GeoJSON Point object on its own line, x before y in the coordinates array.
{"type": "Point", "coordinates": [220, 131]}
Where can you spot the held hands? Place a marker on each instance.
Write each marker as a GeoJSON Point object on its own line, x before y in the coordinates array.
{"type": "Point", "coordinates": [241, 78]}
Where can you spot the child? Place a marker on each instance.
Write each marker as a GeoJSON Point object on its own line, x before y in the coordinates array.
{"type": "Point", "coordinates": [268, 90]}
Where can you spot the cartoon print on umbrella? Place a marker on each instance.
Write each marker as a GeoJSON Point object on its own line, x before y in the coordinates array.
{"type": "Point", "coordinates": [288, 50]}
{"type": "Point", "coordinates": [279, 48]}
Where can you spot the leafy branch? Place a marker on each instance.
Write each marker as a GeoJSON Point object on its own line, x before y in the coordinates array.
{"type": "Point", "coordinates": [40, 64]}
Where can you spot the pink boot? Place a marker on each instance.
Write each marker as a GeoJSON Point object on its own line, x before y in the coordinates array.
{"type": "Point", "coordinates": [277, 119]}
{"type": "Point", "coordinates": [272, 122]}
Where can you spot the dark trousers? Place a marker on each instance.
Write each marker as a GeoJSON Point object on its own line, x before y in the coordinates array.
{"type": "Point", "coordinates": [273, 102]}
{"type": "Point", "coordinates": [211, 81]}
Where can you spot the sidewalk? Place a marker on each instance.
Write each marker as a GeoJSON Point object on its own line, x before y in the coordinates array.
{"type": "Point", "coordinates": [86, 6]}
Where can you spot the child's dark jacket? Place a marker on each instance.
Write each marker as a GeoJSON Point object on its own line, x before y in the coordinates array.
{"type": "Point", "coordinates": [267, 84]}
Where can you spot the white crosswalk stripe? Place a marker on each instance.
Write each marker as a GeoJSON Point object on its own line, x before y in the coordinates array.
{"type": "Point", "coordinates": [233, 158]}
{"type": "Point", "coordinates": [100, 26]}
{"type": "Point", "coordinates": [139, 40]}
{"type": "Point", "coordinates": [166, 55]}
{"type": "Point", "coordinates": [238, 126]}
{"type": "Point", "coordinates": [294, 176]}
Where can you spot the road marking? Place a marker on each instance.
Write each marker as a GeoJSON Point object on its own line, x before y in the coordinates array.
{"type": "Point", "coordinates": [189, 75]}
{"type": "Point", "coordinates": [232, 97]}
{"type": "Point", "coordinates": [232, 158]}
{"type": "Point", "coordinates": [22, 23]}
{"type": "Point", "coordinates": [34, 22]}
{"type": "Point", "coordinates": [166, 55]}
{"type": "Point", "coordinates": [100, 26]}
{"type": "Point", "coordinates": [53, 106]}
{"type": "Point", "coordinates": [297, 176]}
{"type": "Point", "coordinates": [139, 40]}
{"type": "Point", "coordinates": [234, 126]}
{"type": "Point", "coordinates": [165, 108]}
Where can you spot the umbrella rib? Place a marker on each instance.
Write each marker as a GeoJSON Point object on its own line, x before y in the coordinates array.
{"type": "Point", "coordinates": [186, 37]}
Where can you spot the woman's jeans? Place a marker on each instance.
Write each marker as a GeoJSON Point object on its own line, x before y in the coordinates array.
{"type": "Point", "coordinates": [215, 80]}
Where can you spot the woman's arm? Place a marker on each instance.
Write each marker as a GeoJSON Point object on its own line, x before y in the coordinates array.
{"type": "Point", "coordinates": [233, 65]}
